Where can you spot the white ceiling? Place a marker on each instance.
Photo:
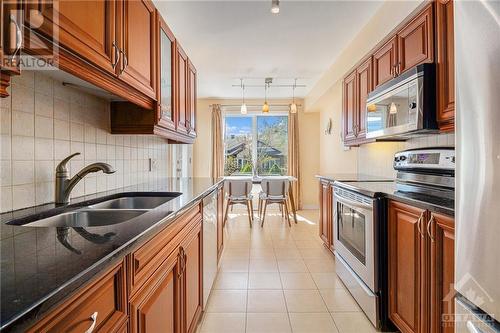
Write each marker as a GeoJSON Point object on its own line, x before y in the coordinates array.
{"type": "Point", "coordinates": [227, 40]}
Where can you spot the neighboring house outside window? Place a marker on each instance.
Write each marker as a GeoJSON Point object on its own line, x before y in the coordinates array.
{"type": "Point", "coordinates": [256, 145]}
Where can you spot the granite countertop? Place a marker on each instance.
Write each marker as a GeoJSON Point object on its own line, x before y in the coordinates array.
{"type": "Point", "coordinates": [390, 190]}
{"type": "Point", "coordinates": [38, 271]}
{"type": "Point", "coordinates": [352, 177]}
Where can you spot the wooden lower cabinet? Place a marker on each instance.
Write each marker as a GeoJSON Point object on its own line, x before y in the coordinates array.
{"type": "Point", "coordinates": [405, 266]}
{"type": "Point", "coordinates": [192, 280]}
{"type": "Point", "coordinates": [98, 307]}
{"type": "Point", "coordinates": [326, 209]}
{"type": "Point", "coordinates": [155, 308]}
{"type": "Point", "coordinates": [157, 288]}
{"type": "Point", "coordinates": [421, 269]}
{"type": "Point", "coordinates": [442, 234]}
{"type": "Point", "coordinates": [171, 299]}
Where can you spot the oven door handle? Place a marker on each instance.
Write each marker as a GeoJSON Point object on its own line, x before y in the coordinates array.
{"type": "Point", "coordinates": [352, 202]}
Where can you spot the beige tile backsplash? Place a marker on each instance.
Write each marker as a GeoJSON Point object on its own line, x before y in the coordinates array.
{"type": "Point", "coordinates": [376, 158]}
{"type": "Point", "coordinates": [44, 121]}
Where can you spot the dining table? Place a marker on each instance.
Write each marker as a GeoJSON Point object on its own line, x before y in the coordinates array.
{"type": "Point", "coordinates": [258, 180]}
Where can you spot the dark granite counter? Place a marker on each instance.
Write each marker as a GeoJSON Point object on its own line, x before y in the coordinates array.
{"type": "Point", "coordinates": [38, 270]}
{"type": "Point", "coordinates": [352, 177]}
{"type": "Point", "coordinates": [389, 190]}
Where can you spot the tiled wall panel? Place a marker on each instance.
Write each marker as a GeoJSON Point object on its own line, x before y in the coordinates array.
{"type": "Point", "coordinates": [44, 121]}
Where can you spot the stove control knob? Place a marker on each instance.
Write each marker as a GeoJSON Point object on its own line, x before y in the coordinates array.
{"type": "Point", "coordinates": [402, 158]}
{"type": "Point", "coordinates": [396, 159]}
{"type": "Point", "coordinates": [412, 105]}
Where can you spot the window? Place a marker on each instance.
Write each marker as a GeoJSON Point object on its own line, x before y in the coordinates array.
{"type": "Point", "coordinates": [256, 145]}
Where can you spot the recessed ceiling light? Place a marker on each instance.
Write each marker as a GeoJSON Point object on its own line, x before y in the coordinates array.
{"type": "Point", "coordinates": [275, 6]}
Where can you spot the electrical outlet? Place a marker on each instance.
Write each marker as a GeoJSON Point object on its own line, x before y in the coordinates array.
{"type": "Point", "coordinates": [152, 164]}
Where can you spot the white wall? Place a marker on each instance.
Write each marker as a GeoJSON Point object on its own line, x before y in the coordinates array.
{"type": "Point", "coordinates": [43, 121]}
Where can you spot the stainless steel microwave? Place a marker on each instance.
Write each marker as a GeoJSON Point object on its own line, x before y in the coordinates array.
{"type": "Point", "coordinates": [404, 106]}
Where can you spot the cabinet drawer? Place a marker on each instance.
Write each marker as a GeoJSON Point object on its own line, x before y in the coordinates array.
{"type": "Point", "coordinates": [101, 305]}
{"type": "Point", "coordinates": [145, 261]}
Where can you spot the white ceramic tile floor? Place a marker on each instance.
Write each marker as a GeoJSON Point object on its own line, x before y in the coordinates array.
{"type": "Point", "coordinates": [279, 279]}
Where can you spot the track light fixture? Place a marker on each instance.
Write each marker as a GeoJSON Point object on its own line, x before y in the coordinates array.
{"type": "Point", "coordinates": [243, 108]}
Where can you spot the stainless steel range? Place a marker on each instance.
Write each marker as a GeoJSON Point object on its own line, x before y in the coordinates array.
{"type": "Point", "coordinates": [426, 171]}
{"type": "Point", "coordinates": [360, 221]}
{"type": "Point", "coordinates": [357, 228]}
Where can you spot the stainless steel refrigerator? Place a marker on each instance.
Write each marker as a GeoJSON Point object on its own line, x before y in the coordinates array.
{"type": "Point", "coordinates": [477, 244]}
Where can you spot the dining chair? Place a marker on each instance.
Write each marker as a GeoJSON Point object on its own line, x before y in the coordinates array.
{"type": "Point", "coordinates": [274, 191]}
{"type": "Point", "coordinates": [239, 192]}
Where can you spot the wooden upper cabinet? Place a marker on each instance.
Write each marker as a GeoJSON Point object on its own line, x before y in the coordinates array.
{"type": "Point", "coordinates": [87, 28]}
{"type": "Point", "coordinates": [406, 250]}
{"type": "Point", "coordinates": [192, 279]}
{"type": "Point", "coordinates": [364, 85]}
{"type": "Point", "coordinates": [166, 68]}
{"type": "Point", "coordinates": [155, 308]}
{"type": "Point", "coordinates": [138, 45]}
{"type": "Point", "coordinates": [445, 62]}
{"type": "Point", "coordinates": [349, 107]}
{"type": "Point", "coordinates": [442, 233]}
{"type": "Point", "coordinates": [416, 41]}
{"type": "Point", "coordinates": [181, 104]}
{"type": "Point", "coordinates": [191, 106]}
{"type": "Point", "coordinates": [384, 62]}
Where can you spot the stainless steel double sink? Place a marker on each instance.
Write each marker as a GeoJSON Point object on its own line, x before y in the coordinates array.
{"type": "Point", "coordinates": [108, 212]}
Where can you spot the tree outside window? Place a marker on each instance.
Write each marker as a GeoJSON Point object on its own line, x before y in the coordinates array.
{"type": "Point", "coordinates": [256, 145]}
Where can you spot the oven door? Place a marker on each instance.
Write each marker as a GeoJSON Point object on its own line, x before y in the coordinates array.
{"type": "Point", "coordinates": [354, 234]}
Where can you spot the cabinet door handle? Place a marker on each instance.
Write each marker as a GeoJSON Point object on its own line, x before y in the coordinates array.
{"type": "Point", "coordinates": [429, 231]}
{"type": "Point", "coordinates": [181, 262]}
{"type": "Point", "coordinates": [125, 61]}
{"type": "Point", "coordinates": [94, 321]}
{"type": "Point", "coordinates": [419, 224]}
{"type": "Point", "coordinates": [117, 55]}
{"type": "Point", "coordinates": [399, 68]}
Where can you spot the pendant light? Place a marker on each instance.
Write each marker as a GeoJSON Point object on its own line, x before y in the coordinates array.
{"type": "Point", "coordinates": [293, 106]}
{"type": "Point", "coordinates": [393, 109]}
{"type": "Point", "coordinates": [243, 109]}
{"type": "Point", "coordinates": [265, 107]}
{"type": "Point", "coordinates": [275, 6]}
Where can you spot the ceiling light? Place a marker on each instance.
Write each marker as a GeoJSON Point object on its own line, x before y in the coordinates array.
{"type": "Point", "coordinates": [293, 106]}
{"type": "Point", "coordinates": [275, 6]}
{"type": "Point", "coordinates": [265, 107]}
{"type": "Point", "coordinates": [243, 109]}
